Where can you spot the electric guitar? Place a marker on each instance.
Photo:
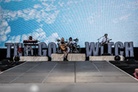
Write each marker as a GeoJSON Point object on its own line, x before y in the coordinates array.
{"type": "Point", "coordinates": [63, 47]}
{"type": "Point", "coordinates": [103, 43]}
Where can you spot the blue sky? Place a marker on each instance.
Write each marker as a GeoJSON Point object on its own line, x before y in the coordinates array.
{"type": "Point", "coordinates": [87, 20]}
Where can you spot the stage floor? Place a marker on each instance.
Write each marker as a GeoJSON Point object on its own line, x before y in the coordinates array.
{"type": "Point", "coordinates": [52, 76]}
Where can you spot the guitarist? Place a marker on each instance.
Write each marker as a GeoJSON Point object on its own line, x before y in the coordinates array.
{"type": "Point", "coordinates": [64, 48]}
{"type": "Point", "coordinates": [105, 42]}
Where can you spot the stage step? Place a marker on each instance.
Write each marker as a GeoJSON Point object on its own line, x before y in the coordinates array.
{"type": "Point", "coordinates": [71, 57]}
{"type": "Point", "coordinates": [105, 58]}
{"type": "Point", "coordinates": [33, 58]}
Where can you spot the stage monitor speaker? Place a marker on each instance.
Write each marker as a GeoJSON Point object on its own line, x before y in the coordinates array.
{"type": "Point", "coordinates": [117, 58]}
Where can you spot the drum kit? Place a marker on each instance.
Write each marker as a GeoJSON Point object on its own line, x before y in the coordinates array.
{"type": "Point", "coordinates": [72, 46]}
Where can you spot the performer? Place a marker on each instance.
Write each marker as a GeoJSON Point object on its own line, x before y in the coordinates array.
{"type": "Point", "coordinates": [105, 39]}
{"type": "Point", "coordinates": [71, 44]}
{"type": "Point", "coordinates": [64, 49]}
{"type": "Point", "coordinates": [20, 50]}
{"type": "Point", "coordinates": [28, 47]}
{"type": "Point", "coordinates": [105, 42]}
{"type": "Point", "coordinates": [70, 41]}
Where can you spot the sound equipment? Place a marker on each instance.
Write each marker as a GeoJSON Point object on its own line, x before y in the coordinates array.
{"type": "Point", "coordinates": [30, 41]}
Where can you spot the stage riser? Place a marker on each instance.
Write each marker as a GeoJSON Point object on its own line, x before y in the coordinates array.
{"type": "Point", "coordinates": [57, 57]}
{"type": "Point", "coordinates": [33, 58]}
{"type": "Point", "coordinates": [105, 58]}
{"type": "Point", "coordinates": [76, 57]}
{"type": "Point", "coordinates": [71, 57]}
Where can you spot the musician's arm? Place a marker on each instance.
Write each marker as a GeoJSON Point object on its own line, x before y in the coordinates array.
{"type": "Point", "coordinates": [103, 41]}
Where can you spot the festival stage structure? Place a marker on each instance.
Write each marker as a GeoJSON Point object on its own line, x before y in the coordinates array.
{"type": "Point", "coordinates": [45, 71]}
{"type": "Point", "coordinates": [55, 76]}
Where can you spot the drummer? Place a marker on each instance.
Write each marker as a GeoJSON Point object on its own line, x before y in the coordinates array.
{"type": "Point", "coordinates": [70, 44]}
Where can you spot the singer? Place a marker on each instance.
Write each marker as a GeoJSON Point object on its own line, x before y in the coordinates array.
{"type": "Point", "coordinates": [104, 43]}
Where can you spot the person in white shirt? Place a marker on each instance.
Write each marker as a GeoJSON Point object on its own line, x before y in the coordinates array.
{"type": "Point", "coordinates": [71, 44]}
{"type": "Point", "coordinates": [105, 42]}
{"type": "Point", "coordinates": [105, 39]}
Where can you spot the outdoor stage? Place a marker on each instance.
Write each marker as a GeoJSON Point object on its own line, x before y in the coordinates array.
{"type": "Point", "coordinates": [55, 76]}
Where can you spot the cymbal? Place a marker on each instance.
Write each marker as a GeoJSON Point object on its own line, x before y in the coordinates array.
{"type": "Point", "coordinates": [58, 40]}
{"type": "Point", "coordinates": [76, 40]}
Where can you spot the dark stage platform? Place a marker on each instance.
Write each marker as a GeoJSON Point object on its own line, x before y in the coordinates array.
{"type": "Point", "coordinates": [52, 76]}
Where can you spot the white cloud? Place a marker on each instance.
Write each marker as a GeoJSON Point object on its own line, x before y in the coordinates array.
{"type": "Point", "coordinates": [51, 17]}
{"type": "Point", "coordinates": [38, 34]}
{"type": "Point", "coordinates": [8, 30]}
{"type": "Point", "coordinates": [94, 16]}
{"type": "Point", "coordinates": [19, 13]}
{"type": "Point", "coordinates": [7, 1]}
{"type": "Point", "coordinates": [52, 38]}
{"type": "Point", "coordinates": [122, 18]}
{"type": "Point", "coordinates": [41, 25]}
{"type": "Point", "coordinates": [48, 7]}
{"type": "Point", "coordinates": [12, 14]}
{"type": "Point", "coordinates": [17, 38]}
{"type": "Point", "coordinates": [125, 17]}
{"type": "Point", "coordinates": [4, 23]}
{"type": "Point", "coordinates": [5, 29]}
{"type": "Point", "coordinates": [41, 13]}
{"type": "Point", "coordinates": [131, 5]}
{"type": "Point", "coordinates": [3, 37]}
{"type": "Point", "coordinates": [37, 6]}
{"type": "Point", "coordinates": [70, 2]}
{"type": "Point", "coordinates": [61, 4]}
{"type": "Point", "coordinates": [24, 36]}
{"type": "Point", "coordinates": [115, 20]}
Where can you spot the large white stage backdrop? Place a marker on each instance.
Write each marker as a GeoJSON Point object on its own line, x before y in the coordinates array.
{"type": "Point", "coordinates": [87, 20]}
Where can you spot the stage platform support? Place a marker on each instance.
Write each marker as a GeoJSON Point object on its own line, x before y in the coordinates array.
{"type": "Point", "coordinates": [33, 58]}
{"type": "Point", "coordinates": [105, 58]}
{"type": "Point", "coordinates": [76, 57]}
{"type": "Point", "coordinates": [71, 57]}
{"type": "Point", "coordinates": [57, 57]}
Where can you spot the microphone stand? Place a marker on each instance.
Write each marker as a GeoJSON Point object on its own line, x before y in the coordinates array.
{"type": "Point", "coordinates": [99, 38]}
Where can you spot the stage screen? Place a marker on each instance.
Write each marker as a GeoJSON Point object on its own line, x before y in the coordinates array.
{"type": "Point", "coordinates": [87, 20]}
